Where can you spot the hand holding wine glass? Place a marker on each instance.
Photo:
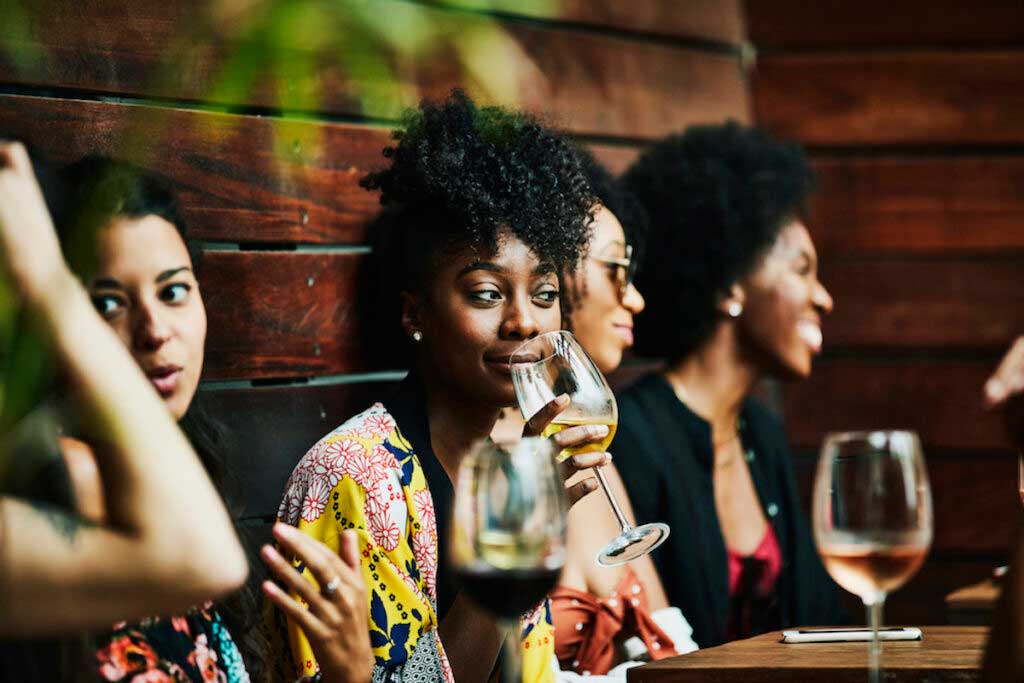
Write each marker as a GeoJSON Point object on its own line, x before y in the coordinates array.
{"type": "Point", "coordinates": [872, 514]}
{"type": "Point", "coordinates": [552, 365]}
{"type": "Point", "coordinates": [508, 532]}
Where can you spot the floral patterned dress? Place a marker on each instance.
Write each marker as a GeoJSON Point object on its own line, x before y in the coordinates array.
{"type": "Point", "coordinates": [365, 476]}
{"type": "Point", "coordinates": [194, 648]}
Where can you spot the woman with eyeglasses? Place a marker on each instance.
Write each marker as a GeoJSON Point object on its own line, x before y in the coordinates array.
{"type": "Point", "coordinates": [597, 609]}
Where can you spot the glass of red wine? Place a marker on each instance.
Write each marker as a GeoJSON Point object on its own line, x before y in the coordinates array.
{"type": "Point", "coordinates": [872, 513]}
{"type": "Point", "coordinates": [508, 533]}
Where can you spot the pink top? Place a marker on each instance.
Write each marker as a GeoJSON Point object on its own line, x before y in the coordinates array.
{"type": "Point", "coordinates": [768, 553]}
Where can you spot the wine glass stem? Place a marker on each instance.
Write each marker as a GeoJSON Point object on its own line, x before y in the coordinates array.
{"type": "Point", "coordinates": [623, 524]}
{"type": "Point", "coordinates": [875, 646]}
{"type": "Point", "coordinates": [511, 670]}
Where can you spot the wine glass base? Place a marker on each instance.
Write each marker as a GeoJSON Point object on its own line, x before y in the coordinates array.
{"type": "Point", "coordinates": [632, 544]}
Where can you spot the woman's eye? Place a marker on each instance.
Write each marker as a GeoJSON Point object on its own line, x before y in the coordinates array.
{"type": "Point", "coordinates": [489, 296]}
{"type": "Point", "coordinates": [175, 293]}
{"type": "Point", "coordinates": [548, 296]}
{"type": "Point", "coordinates": [107, 305]}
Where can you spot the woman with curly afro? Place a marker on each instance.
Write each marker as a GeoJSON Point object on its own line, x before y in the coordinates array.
{"type": "Point", "coordinates": [733, 296]}
{"type": "Point", "coordinates": [483, 208]}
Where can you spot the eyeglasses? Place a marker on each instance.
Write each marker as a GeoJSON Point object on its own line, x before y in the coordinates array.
{"type": "Point", "coordinates": [624, 269]}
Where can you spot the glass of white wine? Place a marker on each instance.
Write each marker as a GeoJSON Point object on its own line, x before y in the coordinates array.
{"type": "Point", "coordinates": [553, 364]}
{"type": "Point", "coordinates": [508, 533]}
{"type": "Point", "coordinates": [872, 514]}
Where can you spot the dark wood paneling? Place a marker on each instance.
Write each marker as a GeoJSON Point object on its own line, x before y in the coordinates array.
{"type": "Point", "coordinates": [940, 399]}
{"type": "Point", "coordinates": [587, 82]}
{"type": "Point", "coordinates": [918, 205]}
{"type": "Point", "coordinates": [238, 178]}
{"type": "Point", "coordinates": [709, 19]}
{"type": "Point", "coordinates": [925, 304]}
{"type": "Point", "coordinates": [271, 428]}
{"type": "Point", "coordinates": [828, 24]}
{"type": "Point", "coordinates": [975, 500]}
{"type": "Point", "coordinates": [931, 98]}
{"type": "Point", "coordinates": [280, 314]}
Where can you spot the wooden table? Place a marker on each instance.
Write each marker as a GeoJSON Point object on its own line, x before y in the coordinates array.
{"type": "Point", "coordinates": [974, 604]}
{"type": "Point", "coordinates": [945, 653]}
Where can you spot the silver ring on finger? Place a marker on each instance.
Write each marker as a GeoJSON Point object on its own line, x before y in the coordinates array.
{"type": "Point", "coordinates": [331, 588]}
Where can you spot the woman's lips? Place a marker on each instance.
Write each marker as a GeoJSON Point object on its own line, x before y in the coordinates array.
{"type": "Point", "coordinates": [810, 333]}
{"type": "Point", "coordinates": [625, 332]}
{"type": "Point", "coordinates": [165, 380]}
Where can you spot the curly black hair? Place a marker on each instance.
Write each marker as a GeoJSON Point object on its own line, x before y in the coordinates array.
{"type": "Point", "coordinates": [617, 198]}
{"type": "Point", "coordinates": [717, 197]}
{"type": "Point", "coordinates": [460, 175]}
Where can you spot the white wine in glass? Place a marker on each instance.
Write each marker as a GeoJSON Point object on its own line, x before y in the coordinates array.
{"type": "Point", "coordinates": [554, 364]}
{"type": "Point", "coordinates": [872, 517]}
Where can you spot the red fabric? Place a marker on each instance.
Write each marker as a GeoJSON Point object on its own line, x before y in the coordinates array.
{"type": "Point", "coordinates": [767, 552]}
{"type": "Point", "coordinates": [587, 628]}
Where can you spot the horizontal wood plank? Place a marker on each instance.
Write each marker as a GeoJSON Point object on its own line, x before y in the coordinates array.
{"type": "Point", "coordinates": [940, 399]}
{"type": "Point", "coordinates": [719, 20]}
{"type": "Point", "coordinates": [924, 304]}
{"type": "Point", "coordinates": [271, 428]}
{"type": "Point", "coordinates": [280, 314]}
{"type": "Point", "coordinates": [586, 82]}
{"type": "Point", "coordinates": [793, 24]}
{"type": "Point", "coordinates": [935, 204]}
{"type": "Point", "coordinates": [975, 500]}
{"type": "Point", "coordinates": [899, 98]}
{"type": "Point", "coordinates": [237, 178]}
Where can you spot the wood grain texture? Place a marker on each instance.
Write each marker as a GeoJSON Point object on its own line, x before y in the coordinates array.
{"type": "Point", "coordinates": [893, 99]}
{"type": "Point", "coordinates": [940, 399]}
{"type": "Point", "coordinates": [278, 314]}
{"type": "Point", "coordinates": [828, 24]}
{"type": "Point", "coordinates": [237, 178]}
{"type": "Point", "coordinates": [719, 20]}
{"type": "Point", "coordinates": [945, 653]}
{"type": "Point", "coordinates": [974, 497]}
{"type": "Point", "coordinates": [923, 205]}
{"type": "Point", "coordinates": [946, 303]}
{"type": "Point", "coordinates": [271, 428]}
{"type": "Point", "coordinates": [585, 82]}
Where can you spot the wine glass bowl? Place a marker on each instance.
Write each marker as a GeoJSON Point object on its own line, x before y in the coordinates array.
{"type": "Point", "coordinates": [872, 515]}
{"type": "Point", "coordinates": [552, 365]}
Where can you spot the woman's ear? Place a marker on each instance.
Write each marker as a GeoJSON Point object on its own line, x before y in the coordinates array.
{"type": "Point", "coordinates": [731, 305]}
{"type": "Point", "coordinates": [411, 322]}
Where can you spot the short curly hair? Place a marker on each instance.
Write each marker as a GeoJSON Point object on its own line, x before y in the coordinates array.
{"type": "Point", "coordinates": [717, 197]}
{"type": "Point", "coordinates": [460, 176]}
{"type": "Point", "coordinates": [617, 198]}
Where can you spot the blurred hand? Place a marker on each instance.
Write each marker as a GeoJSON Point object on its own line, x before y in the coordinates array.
{"type": "Point", "coordinates": [568, 438]}
{"type": "Point", "coordinates": [336, 623]}
{"type": "Point", "coordinates": [29, 249]}
{"type": "Point", "coordinates": [1005, 389]}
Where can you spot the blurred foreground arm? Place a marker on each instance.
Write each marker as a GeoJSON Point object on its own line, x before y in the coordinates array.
{"type": "Point", "coordinates": [168, 541]}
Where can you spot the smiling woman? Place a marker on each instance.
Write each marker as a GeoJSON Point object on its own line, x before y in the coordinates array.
{"type": "Point", "coordinates": [733, 296]}
{"type": "Point", "coordinates": [483, 209]}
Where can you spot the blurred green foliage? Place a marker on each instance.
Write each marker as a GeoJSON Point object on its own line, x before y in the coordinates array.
{"type": "Point", "coordinates": [374, 51]}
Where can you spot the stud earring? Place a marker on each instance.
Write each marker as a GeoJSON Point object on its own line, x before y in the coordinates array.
{"type": "Point", "coordinates": [735, 308]}
{"type": "Point", "coordinates": [417, 336]}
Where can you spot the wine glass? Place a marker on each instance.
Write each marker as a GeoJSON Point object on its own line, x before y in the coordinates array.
{"type": "Point", "coordinates": [553, 364]}
{"type": "Point", "coordinates": [508, 532]}
{"type": "Point", "coordinates": [872, 517]}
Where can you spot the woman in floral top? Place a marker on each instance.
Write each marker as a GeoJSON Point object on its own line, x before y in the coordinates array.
{"type": "Point", "coordinates": [484, 208]}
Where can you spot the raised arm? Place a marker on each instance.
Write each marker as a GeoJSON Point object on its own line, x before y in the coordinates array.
{"type": "Point", "coordinates": [168, 541]}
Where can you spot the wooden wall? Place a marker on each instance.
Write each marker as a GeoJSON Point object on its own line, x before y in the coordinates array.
{"type": "Point", "coordinates": [272, 190]}
{"type": "Point", "coordinates": [914, 116]}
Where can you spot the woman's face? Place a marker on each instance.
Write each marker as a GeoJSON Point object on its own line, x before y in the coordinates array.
{"type": "Point", "coordinates": [784, 303]}
{"type": "Point", "coordinates": [479, 309]}
{"type": "Point", "coordinates": [145, 289]}
{"type": "Point", "coordinates": [603, 317]}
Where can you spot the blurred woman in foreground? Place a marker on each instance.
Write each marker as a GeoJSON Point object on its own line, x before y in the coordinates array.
{"type": "Point", "coordinates": [733, 296]}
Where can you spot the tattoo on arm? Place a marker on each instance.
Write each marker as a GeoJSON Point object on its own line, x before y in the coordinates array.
{"type": "Point", "coordinates": [63, 521]}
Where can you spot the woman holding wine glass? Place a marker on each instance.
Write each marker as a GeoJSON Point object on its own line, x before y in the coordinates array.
{"type": "Point", "coordinates": [733, 297]}
{"type": "Point", "coordinates": [483, 209]}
